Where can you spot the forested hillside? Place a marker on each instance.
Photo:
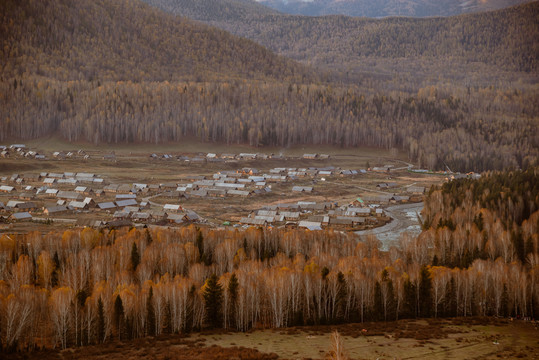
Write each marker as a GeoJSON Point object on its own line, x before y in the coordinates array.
{"type": "Point", "coordinates": [138, 75]}
{"type": "Point", "coordinates": [507, 39]}
{"type": "Point", "coordinates": [496, 216]}
{"type": "Point", "coordinates": [125, 41]}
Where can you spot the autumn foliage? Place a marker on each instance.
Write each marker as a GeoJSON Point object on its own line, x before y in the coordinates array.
{"type": "Point", "coordinates": [88, 286]}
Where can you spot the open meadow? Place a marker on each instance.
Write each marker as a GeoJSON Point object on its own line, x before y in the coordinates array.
{"type": "Point", "coordinates": [454, 338]}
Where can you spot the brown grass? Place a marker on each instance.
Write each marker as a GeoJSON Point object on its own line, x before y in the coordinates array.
{"type": "Point", "coordinates": [412, 339]}
{"type": "Point", "coordinates": [161, 348]}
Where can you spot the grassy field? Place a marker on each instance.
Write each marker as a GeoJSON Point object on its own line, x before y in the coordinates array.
{"type": "Point", "coordinates": [137, 155]}
{"type": "Point", "coordinates": [422, 339]}
{"type": "Point", "coordinates": [460, 338]}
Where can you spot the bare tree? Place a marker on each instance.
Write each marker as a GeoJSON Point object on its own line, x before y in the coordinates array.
{"type": "Point", "coordinates": [21, 272]}
{"type": "Point", "coordinates": [440, 278]}
{"type": "Point", "coordinates": [45, 268]}
{"type": "Point", "coordinates": [337, 351]}
{"type": "Point", "coordinates": [16, 315]}
{"type": "Point", "coordinates": [61, 314]}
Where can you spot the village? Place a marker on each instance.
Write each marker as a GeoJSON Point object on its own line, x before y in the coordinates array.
{"type": "Point", "coordinates": [206, 189]}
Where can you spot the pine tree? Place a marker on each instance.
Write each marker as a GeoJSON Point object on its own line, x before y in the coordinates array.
{"type": "Point", "coordinates": [505, 301]}
{"type": "Point", "coordinates": [119, 316]}
{"type": "Point", "coordinates": [135, 257]}
{"type": "Point", "coordinates": [148, 237]}
{"type": "Point", "coordinates": [189, 317]}
{"type": "Point", "coordinates": [204, 257]}
{"type": "Point", "coordinates": [55, 272]}
{"type": "Point", "coordinates": [324, 272]}
{"type": "Point", "coordinates": [81, 301]}
{"type": "Point", "coordinates": [100, 321]}
{"type": "Point", "coordinates": [425, 293]}
{"type": "Point", "coordinates": [340, 302]}
{"type": "Point", "coordinates": [233, 285]}
{"type": "Point", "coordinates": [519, 245]}
{"type": "Point", "coordinates": [150, 314]}
{"type": "Point", "coordinates": [213, 298]}
{"type": "Point", "coordinates": [200, 243]}
{"type": "Point", "coordinates": [451, 299]}
{"type": "Point", "coordinates": [390, 306]}
{"type": "Point", "coordinates": [168, 319]}
{"type": "Point", "coordinates": [409, 306]}
{"type": "Point", "coordinates": [378, 309]}
{"type": "Point", "coordinates": [129, 327]}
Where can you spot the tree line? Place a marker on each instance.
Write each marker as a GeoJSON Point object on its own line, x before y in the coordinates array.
{"type": "Point", "coordinates": [483, 129]}
{"type": "Point", "coordinates": [88, 286]}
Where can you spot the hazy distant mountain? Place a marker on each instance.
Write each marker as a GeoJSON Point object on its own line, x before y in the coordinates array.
{"type": "Point", "coordinates": [211, 10]}
{"type": "Point", "coordinates": [383, 8]}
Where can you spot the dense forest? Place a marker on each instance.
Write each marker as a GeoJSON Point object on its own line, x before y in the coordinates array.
{"type": "Point", "coordinates": [477, 130]}
{"type": "Point", "coordinates": [86, 286]}
{"type": "Point", "coordinates": [506, 39]}
{"type": "Point", "coordinates": [496, 216]}
{"type": "Point", "coordinates": [126, 41]}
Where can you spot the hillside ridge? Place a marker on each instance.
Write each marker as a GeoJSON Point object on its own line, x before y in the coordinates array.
{"type": "Point", "coordinates": [126, 40]}
{"type": "Point", "coordinates": [506, 39]}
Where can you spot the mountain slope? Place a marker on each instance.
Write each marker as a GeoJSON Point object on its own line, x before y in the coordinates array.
{"type": "Point", "coordinates": [506, 39]}
{"type": "Point", "coordinates": [383, 8]}
{"type": "Point", "coordinates": [125, 40]}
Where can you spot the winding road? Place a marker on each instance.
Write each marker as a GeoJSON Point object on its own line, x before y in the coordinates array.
{"type": "Point", "coordinates": [404, 218]}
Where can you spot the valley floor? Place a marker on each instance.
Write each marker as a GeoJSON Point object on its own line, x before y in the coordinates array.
{"type": "Point", "coordinates": [456, 338]}
{"type": "Point", "coordinates": [157, 177]}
